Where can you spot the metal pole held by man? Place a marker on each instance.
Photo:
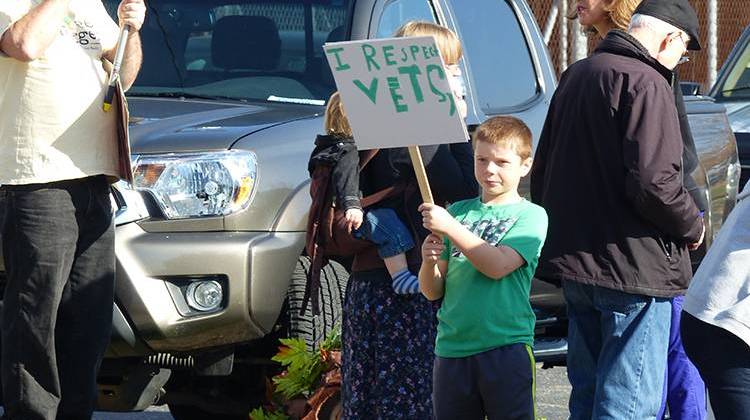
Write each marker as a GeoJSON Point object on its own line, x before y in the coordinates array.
{"type": "Point", "coordinates": [114, 75]}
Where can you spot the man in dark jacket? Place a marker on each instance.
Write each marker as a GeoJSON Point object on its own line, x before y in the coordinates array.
{"type": "Point", "coordinates": [609, 172]}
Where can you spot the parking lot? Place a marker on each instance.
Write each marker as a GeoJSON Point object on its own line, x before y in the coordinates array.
{"type": "Point", "coordinates": [552, 399]}
{"type": "Point", "coordinates": [552, 388]}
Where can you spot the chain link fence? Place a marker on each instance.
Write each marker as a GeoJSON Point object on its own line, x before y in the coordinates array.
{"type": "Point", "coordinates": [732, 18]}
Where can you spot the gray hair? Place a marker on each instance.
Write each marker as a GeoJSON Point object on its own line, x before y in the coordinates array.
{"type": "Point", "coordinates": [653, 24]}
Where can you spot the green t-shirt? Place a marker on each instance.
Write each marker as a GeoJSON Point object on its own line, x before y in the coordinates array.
{"type": "Point", "coordinates": [479, 313]}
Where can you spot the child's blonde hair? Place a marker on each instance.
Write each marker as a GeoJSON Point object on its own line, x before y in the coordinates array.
{"type": "Point", "coordinates": [336, 123]}
{"type": "Point", "coordinates": [506, 131]}
{"type": "Point", "coordinates": [447, 41]}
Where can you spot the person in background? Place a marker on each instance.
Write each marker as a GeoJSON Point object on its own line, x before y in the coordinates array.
{"type": "Point", "coordinates": [58, 155]}
{"type": "Point", "coordinates": [716, 316]}
{"type": "Point", "coordinates": [684, 390]}
{"type": "Point", "coordinates": [611, 150]}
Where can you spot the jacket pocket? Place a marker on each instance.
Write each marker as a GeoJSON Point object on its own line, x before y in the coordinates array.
{"type": "Point", "coordinates": [666, 248]}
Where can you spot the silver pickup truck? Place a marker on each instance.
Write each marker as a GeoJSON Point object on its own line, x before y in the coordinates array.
{"type": "Point", "coordinates": [209, 238]}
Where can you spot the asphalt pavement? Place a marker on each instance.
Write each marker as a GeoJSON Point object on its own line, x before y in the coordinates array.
{"type": "Point", "coordinates": [551, 386]}
{"type": "Point", "coordinates": [552, 390]}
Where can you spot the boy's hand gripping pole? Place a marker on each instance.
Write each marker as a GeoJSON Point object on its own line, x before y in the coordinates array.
{"type": "Point", "coordinates": [115, 74]}
{"type": "Point", "coordinates": [419, 171]}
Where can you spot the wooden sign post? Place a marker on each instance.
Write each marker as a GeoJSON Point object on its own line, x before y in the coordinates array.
{"type": "Point", "coordinates": [421, 173]}
{"type": "Point", "coordinates": [396, 94]}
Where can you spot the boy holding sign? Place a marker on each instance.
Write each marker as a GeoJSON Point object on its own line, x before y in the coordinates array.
{"type": "Point", "coordinates": [482, 270]}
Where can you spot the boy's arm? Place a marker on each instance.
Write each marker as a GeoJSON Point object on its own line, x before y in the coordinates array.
{"type": "Point", "coordinates": [494, 262]}
{"type": "Point", "coordinates": [432, 272]}
{"type": "Point", "coordinates": [432, 279]}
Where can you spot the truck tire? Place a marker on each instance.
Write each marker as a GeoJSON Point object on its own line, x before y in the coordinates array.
{"type": "Point", "coordinates": [314, 328]}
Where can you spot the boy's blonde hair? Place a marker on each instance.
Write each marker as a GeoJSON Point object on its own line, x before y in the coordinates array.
{"type": "Point", "coordinates": [447, 41]}
{"type": "Point", "coordinates": [506, 131]}
{"type": "Point", "coordinates": [336, 123]}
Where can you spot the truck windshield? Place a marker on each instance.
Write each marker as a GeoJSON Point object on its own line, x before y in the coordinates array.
{"type": "Point", "coordinates": [241, 49]}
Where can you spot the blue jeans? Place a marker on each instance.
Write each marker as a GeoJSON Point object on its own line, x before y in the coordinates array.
{"type": "Point", "coordinates": [383, 228]}
{"type": "Point", "coordinates": [684, 390]}
{"type": "Point", "coordinates": [617, 352]}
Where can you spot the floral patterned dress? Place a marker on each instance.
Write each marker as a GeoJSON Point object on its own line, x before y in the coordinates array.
{"type": "Point", "coordinates": [388, 350]}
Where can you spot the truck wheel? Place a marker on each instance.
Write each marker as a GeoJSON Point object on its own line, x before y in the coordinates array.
{"type": "Point", "coordinates": [313, 328]}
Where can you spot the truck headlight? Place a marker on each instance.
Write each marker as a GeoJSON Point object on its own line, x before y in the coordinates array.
{"type": "Point", "coordinates": [198, 184]}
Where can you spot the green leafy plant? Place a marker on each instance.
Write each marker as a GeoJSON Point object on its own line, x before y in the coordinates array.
{"type": "Point", "coordinates": [303, 368]}
{"type": "Point", "coordinates": [303, 373]}
{"type": "Point", "coordinates": [261, 414]}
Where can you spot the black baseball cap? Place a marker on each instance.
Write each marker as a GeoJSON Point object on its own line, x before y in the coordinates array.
{"type": "Point", "coordinates": [678, 13]}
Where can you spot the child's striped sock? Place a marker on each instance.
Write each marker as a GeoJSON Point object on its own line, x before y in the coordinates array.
{"type": "Point", "coordinates": [404, 282]}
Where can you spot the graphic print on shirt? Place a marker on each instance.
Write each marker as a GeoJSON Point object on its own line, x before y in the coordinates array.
{"type": "Point", "coordinates": [83, 32]}
{"type": "Point", "coordinates": [491, 231]}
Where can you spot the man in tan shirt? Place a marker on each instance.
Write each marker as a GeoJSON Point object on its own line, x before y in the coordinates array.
{"type": "Point", "coordinates": [58, 155]}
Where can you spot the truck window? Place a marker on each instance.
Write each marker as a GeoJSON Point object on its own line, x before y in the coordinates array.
{"type": "Point", "coordinates": [398, 12]}
{"type": "Point", "coordinates": [737, 84]}
{"type": "Point", "coordinates": [497, 54]}
{"type": "Point", "coordinates": [239, 49]}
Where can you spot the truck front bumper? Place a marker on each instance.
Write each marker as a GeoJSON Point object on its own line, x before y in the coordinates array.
{"type": "Point", "coordinates": [254, 269]}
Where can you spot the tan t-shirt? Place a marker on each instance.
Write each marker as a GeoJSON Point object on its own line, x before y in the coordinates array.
{"type": "Point", "coordinates": [52, 126]}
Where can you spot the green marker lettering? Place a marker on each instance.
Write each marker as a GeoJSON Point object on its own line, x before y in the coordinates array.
{"type": "Point", "coordinates": [339, 65]}
{"type": "Point", "coordinates": [369, 52]}
{"type": "Point", "coordinates": [404, 55]}
{"type": "Point", "coordinates": [430, 69]}
{"type": "Point", "coordinates": [414, 51]}
{"type": "Point", "coordinates": [413, 71]}
{"type": "Point", "coordinates": [394, 86]}
{"type": "Point", "coordinates": [388, 55]}
{"type": "Point", "coordinates": [372, 91]}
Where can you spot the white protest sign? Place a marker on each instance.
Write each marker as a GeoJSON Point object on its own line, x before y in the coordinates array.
{"type": "Point", "coordinates": [396, 92]}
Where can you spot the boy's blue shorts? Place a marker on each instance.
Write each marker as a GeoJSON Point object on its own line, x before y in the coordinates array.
{"type": "Point", "coordinates": [496, 384]}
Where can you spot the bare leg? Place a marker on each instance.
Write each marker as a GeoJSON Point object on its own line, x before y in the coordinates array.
{"type": "Point", "coordinates": [404, 281]}
{"type": "Point", "coordinates": [395, 264]}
